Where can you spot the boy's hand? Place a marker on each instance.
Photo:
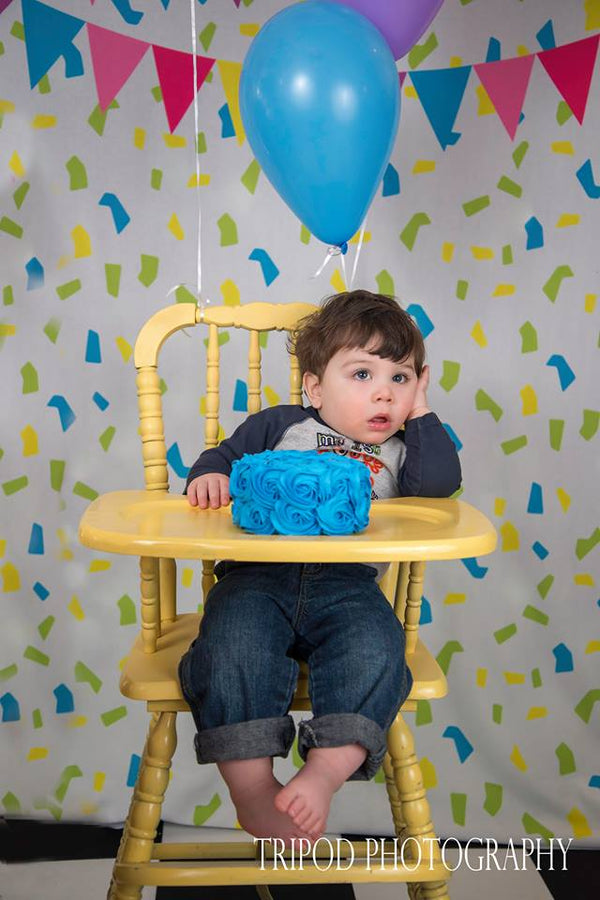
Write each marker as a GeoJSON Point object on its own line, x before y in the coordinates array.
{"type": "Point", "coordinates": [209, 490]}
{"type": "Point", "coordinates": [420, 407]}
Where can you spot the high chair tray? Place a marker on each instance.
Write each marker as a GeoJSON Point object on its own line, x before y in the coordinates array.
{"type": "Point", "coordinates": [152, 523]}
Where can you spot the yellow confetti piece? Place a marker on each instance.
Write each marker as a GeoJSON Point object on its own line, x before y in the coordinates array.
{"type": "Point", "coordinates": [478, 335]}
{"type": "Point", "coordinates": [522, 50]}
{"type": "Point", "coordinates": [592, 647]}
{"type": "Point", "coordinates": [485, 107]}
{"type": "Point", "coordinates": [590, 303]}
{"type": "Point", "coordinates": [81, 242]}
{"type": "Point", "coordinates": [455, 62]}
{"type": "Point", "coordinates": [423, 165]}
{"type": "Point", "coordinates": [64, 261]}
{"type": "Point", "coordinates": [124, 348]}
{"type": "Point", "coordinates": [517, 760]}
{"type": "Point", "coordinates": [6, 106]}
{"type": "Point", "coordinates": [194, 181]}
{"type": "Point", "coordinates": [481, 677]}
{"type": "Point", "coordinates": [100, 565]}
{"type": "Point", "coordinates": [249, 29]}
{"type": "Point", "coordinates": [562, 147]}
{"type": "Point", "coordinates": [563, 498]}
{"type": "Point", "coordinates": [75, 609]}
{"type": "Point", "coordinates": [529, 405]}
{"type": "Point", "coordinates": [428, 772]}
{"type": "Point", "coordinates": [231, 293]}
{"type": "Point", "coordinates": [537, 712]}
{"type": "Point", "coordinates": [337, 282]}
{"type": "Point", "coordinates": [202, 408]}
{"type": "Point", "coordinates": [175, 228]}
{"type": "Point", "coordinates": [77, 721]}
{"type": "Point", "coordinates": [514, 677]}
{"type": "Point", "coordinates": [356, 237]}
{"type": "Point", "coordinates": [499, 506]}
{"type": "Point", "coordinates": [447, 252]}
{"type": "Point", "coordinates": [99, 779]}
{"type": "Point", "coordinates": [584, 579]}
{"type": "Point", "coordinates": [504, 290]}
{"type": "Point", "coordinates": [482, 252]}
{"type": "Point", "coordinates": [15, 164]}
{"type": "Point", "coordinates": [41, 122]}
{"type": "Point", "coordinates": [2, 548]}
{"type": "Point", "coordinates": [221, 432]}
{"type": "Point", "coordinates": [454, 598]}
{"type": "Point", "coordinates": [187, 576]}
{"type": "Point", "coordinates": [592, 14]}
{"type": "Point", "coordinates": [410, 92]}
{"type": "Point", "coordinates": [7, 330]}
{"type": "Point", "coordinates": [37, 753]}
{"type": "Point", "coordinates": [230, 77]}
{"type": "Point", "coordinates": [65, 552]}
{"type": "Point", "coordinates": [122, 663]}
{"type": "Point", "coordinates": [579, 823]}
{"type": "Point", "coordinates": [174, 141]}
{"type": "Point", "coordinates": [30, 441]}
{"type": "Point", "coordinates": [510, 537]}
{"type": "Point", "coordinates": [139, 138]}
{"type": "Point", "coordinates": [568, 219]}
{"type": "Point", "coordinates": [271, 396]}
{"type": "Point", "coordinates": [88, 809]}
{"type": "Point", "coordinates": [10, 578]}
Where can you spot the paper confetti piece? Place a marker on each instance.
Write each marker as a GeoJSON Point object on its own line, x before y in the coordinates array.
{"type": "Point", "coordinates": [591, 421]}
{"type": "Point", "coordinates": [454, 598]}
{"type": "Point", "coordinates": [30, 441]}
{"type": "Point", "coordinates": [462, 288]}
{"type": "Point", "coordinates": [535, 504]}
{"type": "Point", "coordinates": [36, 656]}
{"type": "Point", "coordinates": [77, 174]}
{"type": "Point", "coordinates": [463, 747]}
{"type": "Point", "coordinates": [497, 713]}
{"type": "Point", "coordinates": [517, 759]}
{"type": "Point", "coordinates": [64, 699]}
{"type": "Point", "coordinates": [536, 712]}
{"type": "Point", "coordinates": [391, 182]}
{"type": "Point", "coordinates": [482, 253]}
{"type": "Point", "coordinates": [409, 233]}
{"type": "Point", "coordinates": [428, 772]}
{"type": "Point", "coordinates": [149, 269]}
{"type": "Point", "coordinates": [473, 568]}
{"type": "Point", "coordinates": [504, 634]}
{"type": "Point", "coordinates": [52, 329]}
{"type": "Point", "coordinates": [566, 220]}
{"type": "Point", "coordinates": [92, 349]}
{"type": "Point", "coordinates": [240, 397]}
{"type": "Point", "coordinates": [514, 444]}
{"type": "Point", "coordinates": [529, 340]}
{"type": "Point", "coordinates": [156, 179]}
{"type": "Point", "coordinates": [227, 230]}
{"type": "Point", "coordinates": [20, 194]}
{"type": "Point", "coordinates": [124, 348]}
{"type": "Point", "coordinates": [535, 615]}
{"type": "Point", "coordinates": [471, 207]}
{"type": "Point", "coordinates": [203, 812]}
{"type": "Point", "coordinates": [585, 176]}
{"type": "Point", "coordinates": [484, 403]}
{"type": "Point", "coordinates": [385, 283]}
{"type": "Point", "coordinates": [493, 798]}
{"type": "Point", "coordinates": [529, 406]}
{"type": "Point", "coordinates": [113, 715]}
{"type": "Point", "coordinates": [510, 537]}
{"type": "Point", "coordinates": [447, 252]}
{"type": "Point", "coordinates": [424, 323]}
{"type": "Point", "coordinates": [552, 286]}
{"type": "Point", "coordinates": [65, 413]}
{"type": "Point", "coordinates": [175, 228]}
{"type": "Point", "coordinates": [423, 165]}
{"type": "Point", "coordinates": [35, 273]}
{"type": "Point", "coordinates": [175, 461]}
{"type": "Point", "coordinates": [120, 217]}
{"type": "Point", "coordinates": [445, 655]}
{"type": "Point", "coordinates": [82, 245]}
{"type": "Point", "coordinates": [67, 290]}
{"type": "Point", "coordinates": [83, 675]}
{"type": "Point", "coordinates": [586, 545]}
{"type": "Point", "coordinates": [231, 293]}
{"type": "Point", "coordinates": [268, 267]}
{"type": "Point", "coordinates": [127, 610]}
{"type": "Point", "coordinates": [37, 753]}
{"type": "Point", "coordinates": [556, 430]}
{"type": "Point", "coordinates": [134, 766]}
{"type": "Point", "coordinates": [40, 123]}
{"type": "Point", "coordinates": [10, 708]}
{"type": "Point", "coordinates": [584, 579]}
{"type": "Point", "coordinates": [424, 715]}
{"type": "Point", "coordinates": [586, 704]}
{"type": "Point", "coordinates": [579, 823]}
{"type": "Point", "coordinates": [451, 372]}
{"type": "Point", "coordinates": [563, 658]}
{"type": "Point", "coordinates": [565, 374]}
{"type": "Point", "coordinates": [250, 177]}
{"type": "Point", "coordinates": [566, 760]}
{"type": "Point", "coordinates": [509, 186]}
{"type": "Point", "coordinates": [458, 805]}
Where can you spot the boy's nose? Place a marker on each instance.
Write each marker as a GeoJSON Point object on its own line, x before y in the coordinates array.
{"type": "Point", "coordinates": [382, 392]}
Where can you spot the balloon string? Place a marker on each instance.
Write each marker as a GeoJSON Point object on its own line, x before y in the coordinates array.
{"type": "Point", "coordinates": [358, 249]}
{"type": "Point", "coordinates": [195, 145]}
{"type": "Point", "coordinates": [331, 251]}
{"type": "Point", "coordinates": [343, 261]}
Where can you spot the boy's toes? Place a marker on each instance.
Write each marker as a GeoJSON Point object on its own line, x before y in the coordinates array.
{"type": "Point", "coordinates": [283, 801]}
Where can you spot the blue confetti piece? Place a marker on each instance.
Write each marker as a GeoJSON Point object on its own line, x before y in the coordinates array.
{"type": "Point", "coordinates": [585, 176]}
{"type": "Point", "coordinates": [536, 500]}
{"type": "Point", "coordinates": [464, 748]}
{"type": "Point", "coordinates": [92, 349]}
{"type": "Point", "coordinates": [10, 708]}
{"type": "Point", "coordinates": [35, 273]}
{"type": "Point", "coordinates": [565, 373]}
{"type": "Point", "coordinates": [227, 129]}
{"type": "Point", "coordinates": [563, 657]}
{"type": "Point", "coordinates": [269, 269]}
{"type": "Point", "coordinates": [540, 550]}
{"type": "Point", "coordinates": [134, 767]}
{"type": "Point", "coordinates": [65, 413]}
{"type": "Point", "coordinates": [424, 323]}
{"type": "Point", "coordinates": [36, 541]}
{"type": "Point", "coordinates": [100, 401]}
{"type": "Point", "coordinates": [426, 616]}
{"type": "Point", "coordinates": [545, 36]}
{"type": "Point", "coordinates": [175, 461]}
{"type": "Point", "coordinates": [165, 3]}
{"type": "Point", "coordinates": [391, 182]}
{"type": "Point", "coordinates": [121, 218]}
{"type": "Point", "coordinates": [453, 436]}
{"type": "Point", "coordinates": [240, 396]}
{"type": "Point", "coordinates": [129, 15]}
{"type": "Point", "coordinates": [41, 591]}
{"type": "Point", "coordinates": [473, 568]}
{"type": "Point", "coordinates": [493, 50]}
{"type": "Point", "coordinates": [64, 699]}
{"type": "Point", "coordinates": [535, 234]}
{"type": "Point", "coordinates": [594, 781]}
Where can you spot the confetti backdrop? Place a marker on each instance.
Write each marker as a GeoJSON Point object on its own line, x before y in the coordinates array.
{"type": "Point", "coordinates": [486, 228]}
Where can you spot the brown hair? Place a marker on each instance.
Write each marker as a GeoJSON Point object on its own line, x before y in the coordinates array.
{"type": "Point", "coordinates": [356, 319]}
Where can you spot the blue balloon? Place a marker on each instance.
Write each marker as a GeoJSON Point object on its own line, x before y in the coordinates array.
{"type": "Point", "coordinates": [320, 102]}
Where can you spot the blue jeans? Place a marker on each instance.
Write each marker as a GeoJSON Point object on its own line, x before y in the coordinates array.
{"type": "Point", "coordinates": [239, 675]}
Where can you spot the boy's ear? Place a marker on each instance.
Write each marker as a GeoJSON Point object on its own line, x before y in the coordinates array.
{"type": "Point", "coordinates": [312, 389]}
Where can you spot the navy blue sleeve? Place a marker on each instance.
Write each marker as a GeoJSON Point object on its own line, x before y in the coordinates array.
{"type": "Point", "coordinates": [431, 467]}
{"type": "Point", "coordinates": [258, 432]}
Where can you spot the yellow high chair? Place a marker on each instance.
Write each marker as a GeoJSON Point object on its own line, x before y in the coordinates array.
{"type": "Point", "coordinates": [159, 528]}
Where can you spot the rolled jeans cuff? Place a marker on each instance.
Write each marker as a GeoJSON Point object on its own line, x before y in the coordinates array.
{"type": "Point", "coordinates": [245, 740]}
{"type": "Point", "coordinates": [340, 729]}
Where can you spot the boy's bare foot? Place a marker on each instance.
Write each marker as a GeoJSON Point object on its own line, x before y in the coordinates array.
{"type": "Point", "coordinates": [307, 797]}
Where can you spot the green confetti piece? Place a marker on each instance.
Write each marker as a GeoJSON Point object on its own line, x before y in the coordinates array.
{"type": "Point", "coordinates": [54, 810]}
{"type": "Point", "coordinates": [20, 194]}
{"type": "Point", "coordinates": [566, 760]}
{"type": "Point", "coordinates": [57, 473]}
{"type": "Point", "coordinates": [545, 585]}
{"type": "Point", "coordinates": [68, 288]}
{"type": "Point", "coordinates": [446, 654]}
{"type": "Point", "coordinates": [222, 339]}
{"type": "Point", "coordinates": [471, 207]}
{"type": "Point", "coordinates": [458, 804]}
{"type": "Point", "coordinates": [228, 230]}
{"type": "Point", "coordinates": [507, 255]}
{"type": "Point", "coordinates": [296, 758]}
{"type": "Point", "coordinates": [97, 118]}
{"type": "Point", "coordinates": [424, 716]}
{"type": "Point", "coordinates": [586, 704]}
{"type": "Point", "coordinates": [557, 427]}
{"type": "Point", "coordinates": [304, 234]}
{"type": "Point", "coordinates": [591, 420]}
{"type": "Point", "coordinates": [148, 270]}
{"type": "Point", "coordinates": [504, 634]}
{"type": "Point", "coordinates": [420, 52]}
{"type": "Point", "coordinates": [379, 777]}
{"type": "Point", "coordinates": [10, 227]}
{"type": "Point", "coordinates": [30, 379]}
{"type": "Point", "coordinates": [162, 384]}
{"type": "Point", "coordinates": [43, 85]}
{"type": "Point", "coordinates": [450, 373]}
{"type": "Point", "coordinates": [529, 340]}
{"type": "Point", "coordinates": [112, 276]}
{"type": "Point", "coordinates": [263, 339]}
{"type": "Point", "coordinates": [11, 803]}
{"type": "Point", "coordinates": [106, 437]}
{"type": "Point", "coordinates": [66, 777]}
{"type": "Point", "coordinates": [484, 403]}
{"type": "Point", "coordinates": [461, 289]}
{"type": "Point", "coordinates": [156, 176]}
{"type": "Point", "coordinates": [586, 545]}
{"type": "Point", "coordinates": [16, 484]}
{"type": "Point", "coordinates": [113, 715]}
{"type": "Point", "coordinates": [182, 295]}
{"type": "Point", "coordinates": [201, 142]}
{"type": "Point", "coordinates": [519, 153]}
{"type": "Point", "coordinates": [552, 286]}
{"type": "Point", "coordinates": [497, 714]}
{"type": "Point", "coordinates": [45, 627]}
{"type": "Point", "coordinates": [36, 656]}
{"type": "Point", "coordinates": [17, 31]}
{"type": "Point", "coordinates": [563, 112]}
{"type": "Point", "coordinates": [536, 678]}
{"type": "Point", "coordinates": [514, 444]}
{"type": "Point", "coordinates": [385, 283]}
{"type": "Point", "coordinates": [204, 812]}
{"type": "Point", "coordinates": [509, 186]}
{"type": "Point", "coordinates": [36, 718]}
{"type": "Point", "coordinates": [77, 174]}
{"type": "Point", "coordinates": [1, 49]}
{"type": "Point", "coordinates": [157, 93]}
{"type": "Point", "coordinates": [83, 675]}
{"type": "Point", "coordinates": [8, 672]}
{"type": "Point", "coordinates": [532, 826]}
{"type": "Point", "coordinates": [493, 798]}
{"type": "Point", "coordinates": [535, 615]}
{"type": "Point", "coordinates": [127, 610]}
{"type": "Point", "coordinates": [83, 490]}
{"type": "Point", "coordinates": [409, 233]}
{"type": "Point", "coordinates": [207, 34]}
{"type": "Point", "coordinates": [52, 329]}
{"type": "Point", "coordinates": [250, 177]}
{"type": "Point", "coordinates": [7, 295]}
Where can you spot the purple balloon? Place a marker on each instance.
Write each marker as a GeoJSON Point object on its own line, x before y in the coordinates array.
{"type": "Point", "coordinates": [402, 22]}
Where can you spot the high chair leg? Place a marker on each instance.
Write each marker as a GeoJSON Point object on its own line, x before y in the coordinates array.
{"type": "Point", "coordinates": [142, 822]}
{"type": "Point", "coordinates": [394, 797]}
{"type": "Point", "coordinates": [416, 814]}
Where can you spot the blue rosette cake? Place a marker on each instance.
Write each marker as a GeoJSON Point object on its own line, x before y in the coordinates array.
{"type": "Point", "coordinates": [300, 492]}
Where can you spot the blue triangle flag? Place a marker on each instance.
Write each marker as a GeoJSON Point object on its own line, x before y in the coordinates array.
{"type": "Point", "coordinates": [440, 92]}
{"type": "Point", "coordinates": [49, 33]}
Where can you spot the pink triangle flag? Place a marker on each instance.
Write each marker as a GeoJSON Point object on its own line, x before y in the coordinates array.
{"type": "Point", "coordinates": [506, 82]}
{"type": "Point", "coordinates": [114, 57]}
{"type": "Point", "coordinates": [570, 67]}
{"type": "Point", "coordinates": [176, 75]}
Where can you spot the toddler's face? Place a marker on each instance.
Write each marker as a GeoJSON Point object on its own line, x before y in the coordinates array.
{"type": "Point", "coordinates": [362, 395]}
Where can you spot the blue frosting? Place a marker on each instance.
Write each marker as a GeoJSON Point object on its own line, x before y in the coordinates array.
{"type": "Point", "coordinates": [300, 492]}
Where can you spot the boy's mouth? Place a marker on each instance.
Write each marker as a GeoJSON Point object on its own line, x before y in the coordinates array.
{"type": "Point", "coordinates": [379, 422]}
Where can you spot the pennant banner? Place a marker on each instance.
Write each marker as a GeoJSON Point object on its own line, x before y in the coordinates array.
{"type": "Point", "coordinates": [114, 58]}
{"type": "Point", "coordinates": [570, 67]}
{"type": "Point", "coordinates": [49, 34]}
{"type": "Point", "coordinates": [176, 77]}
{"type": "Point", "coordinates": [506, 83]}
{"type": "Point", "coordinates": [440, 92]}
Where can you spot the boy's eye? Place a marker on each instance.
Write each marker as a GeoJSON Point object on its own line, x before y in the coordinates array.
{"type": "Point", "coordinates": [361, 374]}
{"type": "Point", "coordinates": [400, 378]}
